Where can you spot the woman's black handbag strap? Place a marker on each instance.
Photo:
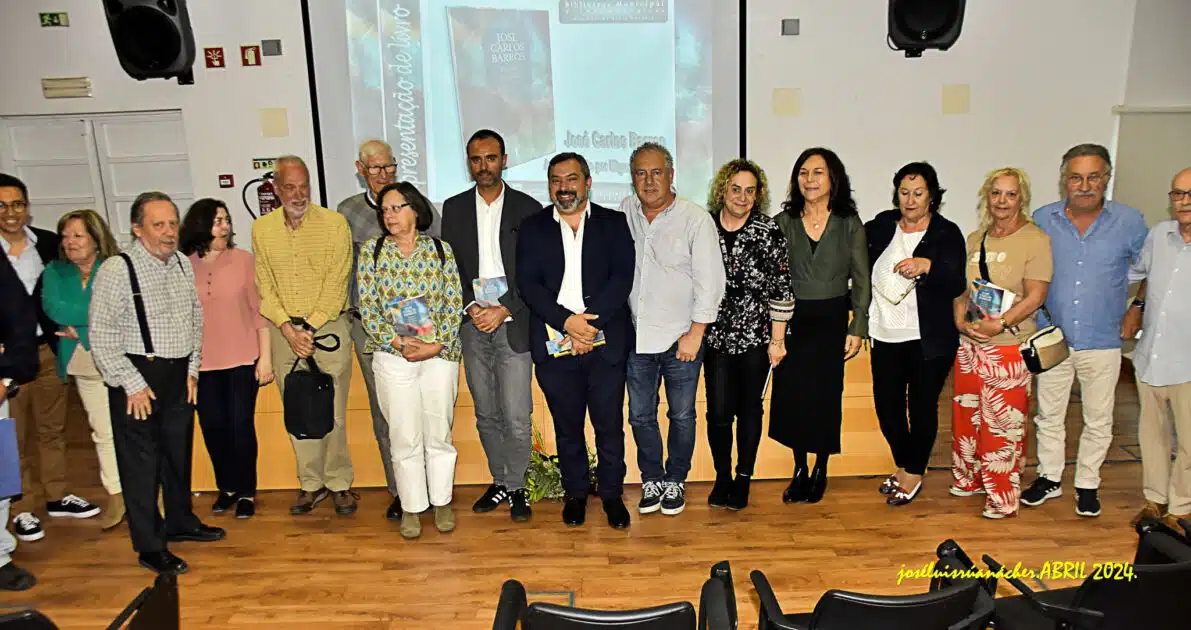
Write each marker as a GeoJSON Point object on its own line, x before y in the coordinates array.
{"type": "Point", "coordinates": [141, 319]}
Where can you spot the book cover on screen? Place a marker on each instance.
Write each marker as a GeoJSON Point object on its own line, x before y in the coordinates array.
{"type": "Point", "coordinates": [411, 318]}
{"type": "Point", "coordinates": [503, 77]}
{"type": "Point", "coordinates": [988, 301]}
{"type": "Point", "coordinates": [488, 291]}
{"type": "Point", "coordinates": [559, 344]}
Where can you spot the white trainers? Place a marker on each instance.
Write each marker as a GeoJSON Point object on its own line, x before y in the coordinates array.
{"type": "Point", "coordinates": [27, 527]}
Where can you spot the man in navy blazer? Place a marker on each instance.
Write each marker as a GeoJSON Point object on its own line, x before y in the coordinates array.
{"type": "Point", "coordinates": [575, 263]}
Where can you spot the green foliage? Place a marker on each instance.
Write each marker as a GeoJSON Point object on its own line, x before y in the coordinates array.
{"type": "Point", "coordinates": [544, 478]}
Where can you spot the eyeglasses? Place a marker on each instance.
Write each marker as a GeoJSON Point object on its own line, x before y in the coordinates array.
{"type": "Point", "coordinates": [1094, 179]}
{"type": "Point", "coordinates": [374, 170]}
{"type": "Point", "coordinates": [16, 206]}
{"type": "Point", "coordinates": [1176, 194]}
{"type": "Point", "coordinates": [396, 208]}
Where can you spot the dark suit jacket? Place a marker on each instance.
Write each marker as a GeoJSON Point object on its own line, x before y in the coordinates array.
{"type": "Point", "coordinates": [459, 229]}
{"type": "Point", "coordinates": [18, 328]}
{"type": "Point", "coordinates": [608, 265]}
{"type": "Point", "coordinates": [47, 248]}
{"type": "Point", "coordinates": [944, 245]}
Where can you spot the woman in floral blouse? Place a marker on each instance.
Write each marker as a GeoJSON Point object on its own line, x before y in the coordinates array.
{"type": "Point", "coordinates": [748, 336]}
{"type": "Point", "coordinates": [411, 305]}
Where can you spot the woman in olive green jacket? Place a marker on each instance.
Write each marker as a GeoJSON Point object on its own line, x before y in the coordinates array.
{"type": "Point", "coordinates": [830, 277]}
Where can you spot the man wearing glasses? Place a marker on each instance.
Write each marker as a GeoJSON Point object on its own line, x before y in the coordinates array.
{"type": "Point", "coordinates": [377, 168]}
{"type": "Point", "coordinates": [1093, 243]}
{"type": "Point", "coordinates": [1161, 360]}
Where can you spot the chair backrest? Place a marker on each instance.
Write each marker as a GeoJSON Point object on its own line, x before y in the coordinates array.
{"type": "Point", "coordinates": [542, 616]}
{"type": "Point", "coordinates": [26, 620]}
{"type": "Point", "coordinates": [1156, 594]}
{"type": "Point", "coordinates": [156, 608]}
{"type": "Point", "coordinates": [937, 610]}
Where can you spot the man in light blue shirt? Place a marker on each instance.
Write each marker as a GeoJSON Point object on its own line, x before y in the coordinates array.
{"type": "Point", "coordinates": [677, 288]}
{"type": "Point", "coordinates": [1162, 360]}
{"type": "Point", "coordinates": [1093, 243]}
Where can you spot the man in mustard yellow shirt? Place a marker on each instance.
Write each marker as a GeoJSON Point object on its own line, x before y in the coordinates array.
{"type": "Point", "coordinates": [303, 264]}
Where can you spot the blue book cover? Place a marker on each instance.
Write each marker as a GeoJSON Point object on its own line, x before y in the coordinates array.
{"type": "Point", "coordinates": [488, 291]}
{"type": "Point", "coordinates": [411, 318]}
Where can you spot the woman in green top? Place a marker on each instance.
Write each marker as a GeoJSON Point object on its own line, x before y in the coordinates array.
{"type": "Point", "coordinates": [829, 274]}
{"type": "Point", "coordinates": [66, 296]}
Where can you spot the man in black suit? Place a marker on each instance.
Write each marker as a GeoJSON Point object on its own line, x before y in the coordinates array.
{"type": "Point", "coordinates": [40, 407]}
{"type": "Point", "coordinates": [18, 364]}
{"type": "Point", "coordinates": [481, 225]}
{"type": "Point", "coordinates": [575, 263]}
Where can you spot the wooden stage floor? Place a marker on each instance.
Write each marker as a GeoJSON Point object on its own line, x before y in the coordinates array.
{"type": "Point", "coordinates": [278, 571]}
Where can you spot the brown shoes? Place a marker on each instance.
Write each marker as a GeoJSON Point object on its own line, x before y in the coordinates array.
{"type": "Point", "coordinates": [306, 501]}
{"type": "Point", "coordinates": [345, 501]}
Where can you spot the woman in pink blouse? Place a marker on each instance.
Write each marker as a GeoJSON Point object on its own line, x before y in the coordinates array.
{"type": "Point", "coordinates": [236, 359]}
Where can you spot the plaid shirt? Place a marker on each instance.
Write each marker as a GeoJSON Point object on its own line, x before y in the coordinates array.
{"type": "Point", "coordinates": [172, 308]}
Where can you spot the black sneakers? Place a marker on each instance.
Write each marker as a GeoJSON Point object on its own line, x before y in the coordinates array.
{"type": "Point", "coordinates": [394, 512]}
{"type": "Point", "coordinates": [72, 506]}
{"type": "Point", "coordinates": [519, 508]}
{"type": "Point", "coordinates": [673, 498]}
{"type": "Point", "coordinates": [651, 497]}
{"type": "Point", "coordinates": [223, 503]}
{"type": "Point", "coordinates": [1041, 490]}
{"type": "Point", "coordinates": [492, 498]}
{"type": "Point", "coordinates": [245, 507]}
{"type": "Point", "coordinates": [27, 527]}
{"type": "Point", "coordinates": [1087, 502]}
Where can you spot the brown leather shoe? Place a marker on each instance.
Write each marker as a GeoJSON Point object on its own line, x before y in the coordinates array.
{"type": "Point", "coordinates": [1151, 510]}
{"type": "Point", "coordinates": [345, 501]}
{"type": "Point", "coordinates": [1172, 521]}
{"type": "Point", "coordinates": [306, 501]}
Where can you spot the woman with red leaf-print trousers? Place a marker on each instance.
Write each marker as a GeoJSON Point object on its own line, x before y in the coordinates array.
{"type": "Point", "coordinates": [1007, 255]}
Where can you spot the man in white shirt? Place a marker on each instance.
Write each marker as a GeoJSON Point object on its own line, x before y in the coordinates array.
{"type": "Point", "coordinates": [1162, 360]}
{"type": "Point", "coordinates": [481, 224]}
{"type": "Point", "coordinates": [677, 289]}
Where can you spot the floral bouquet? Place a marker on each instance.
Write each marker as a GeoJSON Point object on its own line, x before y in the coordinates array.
{"type": "Point", "coordinates": [545, 477]}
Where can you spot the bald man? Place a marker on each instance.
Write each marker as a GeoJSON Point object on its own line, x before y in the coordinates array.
{"type": "Point", "coordinates": [1162, 360]}
{"type": "Point", "coordinates": [303, 266]}
{"type": "Point", "coordinates": [377, 168]}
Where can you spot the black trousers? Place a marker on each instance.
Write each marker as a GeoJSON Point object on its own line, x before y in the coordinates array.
{"type": "Point", "coordinates": [734, 383]}
{"type": "Point", "coordinates": [227, 416]}
{"type": "Point", "coordinates": [574, 387]}
{"type": "Point", "coordinates": [155, 452]}
{"type": "Point", "coordinates": [901, 373]}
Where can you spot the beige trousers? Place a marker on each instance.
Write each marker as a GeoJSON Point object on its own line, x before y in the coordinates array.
{"type": "Point", "coordinates": [1098, 372]}
{"type": "Point", "coordinates": [324, 463]}
{"type": "Point", "coordinates": [1166, 410]}
{"type": "Point", "coordinates": [94, 394]}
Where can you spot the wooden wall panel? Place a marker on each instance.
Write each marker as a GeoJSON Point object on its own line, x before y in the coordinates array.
{"type": "Point", "coordinates": [864, 449]}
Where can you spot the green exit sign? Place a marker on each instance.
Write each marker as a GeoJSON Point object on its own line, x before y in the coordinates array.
{"type": "Point", "coordinates": [60, 18]}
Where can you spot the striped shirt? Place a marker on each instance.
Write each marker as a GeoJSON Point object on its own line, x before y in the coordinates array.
{"type": "Point", "coordinates": [303, 272]}
{"type": "Point", "coordinates": [172, 308]}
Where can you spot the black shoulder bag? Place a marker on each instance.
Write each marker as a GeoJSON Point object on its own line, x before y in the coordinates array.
{"type": "Point", "coordinates": [309, 399]}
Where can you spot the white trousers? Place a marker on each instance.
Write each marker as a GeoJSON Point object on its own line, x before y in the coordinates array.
{"type": "Point", "coordinates": [418, 401]}
{"type": "Point", "coordinates": [1098, 372]}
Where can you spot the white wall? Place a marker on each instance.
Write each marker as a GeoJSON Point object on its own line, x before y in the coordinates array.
{"type": "Point", "coordinates": [1031, 97]}
{"type": "Point", "coordinates": [220, 110]}
{"type": "Point", "coordinates": [1161, 50]}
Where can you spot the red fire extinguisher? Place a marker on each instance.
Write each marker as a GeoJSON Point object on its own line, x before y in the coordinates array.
{"type": "Point", "coordinates": [266, 196]}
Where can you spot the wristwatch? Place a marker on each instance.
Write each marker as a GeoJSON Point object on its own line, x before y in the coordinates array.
{"type": "Point", "coordinates": [1139, 303]}
{"type": "Point", "coordinates": [1004, 325]}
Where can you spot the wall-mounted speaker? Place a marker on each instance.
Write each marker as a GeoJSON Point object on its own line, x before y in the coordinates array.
{"type": "Point", "coordinates": [918, 25]}
{"type": "Point", "coordinates": [153, 38]}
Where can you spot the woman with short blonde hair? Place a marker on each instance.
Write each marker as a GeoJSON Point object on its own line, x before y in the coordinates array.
{"type": "Point", "coordinates": [991, 381]}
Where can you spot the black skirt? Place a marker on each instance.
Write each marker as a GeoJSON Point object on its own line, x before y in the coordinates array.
{"type": "Point", "coordinates": [805, 411]}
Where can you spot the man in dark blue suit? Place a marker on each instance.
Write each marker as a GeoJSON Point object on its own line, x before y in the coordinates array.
{"type": "Point", "coordinates": [575, 263]}
{"type": "Point", "coordinates": [18, 364]}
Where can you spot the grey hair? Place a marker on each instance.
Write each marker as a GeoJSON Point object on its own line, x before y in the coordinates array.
{"type": "Point", "coordinates": [142, 200]}
{"type": "Point", "coordinates": [374, 147]}
{"type": "Point", "coordinates": [1087, 150]}
{"type": "Point", "coordinates": [290, 159]}
{"type": "Point", "coordinates": [652, 146]}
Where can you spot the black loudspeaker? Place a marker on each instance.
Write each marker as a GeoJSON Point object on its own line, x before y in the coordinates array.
{"type": "Point", "coordinates": [918, 25]}
{"type": "Point", "coordinates": [153, 38]}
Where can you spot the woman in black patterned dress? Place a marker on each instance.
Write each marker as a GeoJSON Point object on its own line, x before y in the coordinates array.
{"type": "Point", "coordinates": [748, 336]}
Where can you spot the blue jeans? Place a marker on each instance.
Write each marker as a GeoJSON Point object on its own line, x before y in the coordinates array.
{"type": "Point", "coordinates": [646, 373]}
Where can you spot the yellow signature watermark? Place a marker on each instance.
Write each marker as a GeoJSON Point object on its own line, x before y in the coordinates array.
{"type": "Point", "coordinates": [1057, 570]}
